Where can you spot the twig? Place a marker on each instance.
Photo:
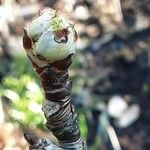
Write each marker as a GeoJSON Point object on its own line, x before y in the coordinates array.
{"type": "Point", "coordinates": [53, 72]}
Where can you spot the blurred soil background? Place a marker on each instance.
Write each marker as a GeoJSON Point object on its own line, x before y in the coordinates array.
{"type": "Point", "coordinates": [110, 73]}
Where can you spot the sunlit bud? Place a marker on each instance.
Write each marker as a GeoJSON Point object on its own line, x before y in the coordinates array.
{"type": "Point", "coordinates": [49, 38]}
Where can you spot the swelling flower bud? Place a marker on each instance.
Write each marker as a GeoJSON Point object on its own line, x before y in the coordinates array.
{"type": "Point", "coordinates": [49, 38]}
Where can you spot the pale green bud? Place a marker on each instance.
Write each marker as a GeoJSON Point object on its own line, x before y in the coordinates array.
{"type": "Point", "coordinates": [52, 36]}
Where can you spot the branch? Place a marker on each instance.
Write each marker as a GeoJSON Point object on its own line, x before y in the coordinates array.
{"type": "Point", "coordinates": [49, 42]}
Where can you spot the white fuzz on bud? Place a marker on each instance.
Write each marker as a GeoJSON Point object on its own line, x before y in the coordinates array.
{"type": "Point", "coordinates": [49, 38]}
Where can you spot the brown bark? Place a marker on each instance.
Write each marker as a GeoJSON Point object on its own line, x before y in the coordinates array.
{"type": "Point", "coordinates": [60, 115]}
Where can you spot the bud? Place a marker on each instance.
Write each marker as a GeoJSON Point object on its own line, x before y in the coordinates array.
{"type": "Point", "coordinates": [49, 38]}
